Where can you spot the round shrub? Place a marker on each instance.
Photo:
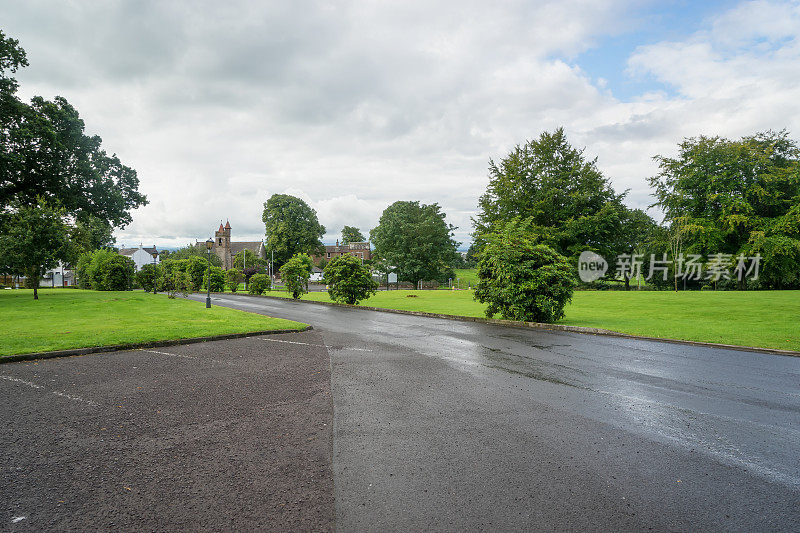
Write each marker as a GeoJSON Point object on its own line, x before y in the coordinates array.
{"type": "Point", "coordinates": [259, 283]}
{"type": "Point", "coordinates": [233, 277]}
{"type": "Point", "coordinates": [348, 280]}
{"type": "Point", "coordinates": [522, 280]}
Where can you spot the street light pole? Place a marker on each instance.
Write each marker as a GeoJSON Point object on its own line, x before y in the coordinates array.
{"type": "Point", "coordinates": [155, 274]}
{"type": "Point", "coordinates": [209, 244]}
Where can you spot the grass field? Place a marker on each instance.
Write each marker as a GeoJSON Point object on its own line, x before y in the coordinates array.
{"type": "Point", "coordinates": [467, 276]}
{"type": "Point", "coordinates": [67, 318]}
{"type": "Point", "coordinates": [767, 319]}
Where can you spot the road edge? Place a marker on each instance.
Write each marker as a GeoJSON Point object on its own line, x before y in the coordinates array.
{"type": "Point", "coordinates": [536, 325]}
{"type": "Point", "coordinates": [138, 345]}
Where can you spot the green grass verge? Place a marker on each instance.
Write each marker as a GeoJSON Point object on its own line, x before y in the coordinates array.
{"type": "Point", "coordinates": [467, 275]}
{"type": "Point", "coordinates": [68, 318]}
{"type": "Point", "coordinates": [766, 319]}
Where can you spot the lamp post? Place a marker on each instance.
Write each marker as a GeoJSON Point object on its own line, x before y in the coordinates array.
{"type": "Point", "coordinates": [209, 245]}
{"type": "Point", "coordinates": [155, 274]}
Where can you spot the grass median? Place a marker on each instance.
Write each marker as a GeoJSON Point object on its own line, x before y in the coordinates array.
{"type": "Point", "coordinates": [765, 319]}
{"type": "Point", "coordinates": [69, 318]}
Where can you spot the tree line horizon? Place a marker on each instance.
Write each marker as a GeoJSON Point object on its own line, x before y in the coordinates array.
{"type": "Point", "coordinates": [61, 196]}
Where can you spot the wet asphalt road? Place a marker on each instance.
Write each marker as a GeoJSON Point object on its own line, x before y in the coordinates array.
{"type": "Point", "coordinates": [220, 436]}
{"type": "Point", "coordinates": [449, 425]}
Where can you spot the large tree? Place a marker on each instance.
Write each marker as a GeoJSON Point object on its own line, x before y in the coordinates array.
{"type": "Point", "coordinates": [416, 241]}
{"type": "Point", "coordinates": [352, 234]}
{"type": "Point", "coordinates": [44, 153]}
{"type": "Point", "coordinates": [563, 195]}
{"type": "Point", "coordinates": [33, 241]}
{"type": "Point", "coordinates": [736, 197]}
{"type": "Point", "coordinates": [292, 228]}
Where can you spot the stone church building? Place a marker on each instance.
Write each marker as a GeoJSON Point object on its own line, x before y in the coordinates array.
{"type": "Point", "coordinates": [227, 250]}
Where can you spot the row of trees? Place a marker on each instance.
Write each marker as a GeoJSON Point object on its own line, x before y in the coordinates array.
{"type": "Point", "coordinates": [61, 193]}
{"type": "Point", "coordinates": [412, 239]}
{"type": "Point", "coordinates": [546, 203]}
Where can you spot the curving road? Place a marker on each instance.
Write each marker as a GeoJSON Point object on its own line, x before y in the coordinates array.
{"type": "Point", "coordinates": [451, 425]}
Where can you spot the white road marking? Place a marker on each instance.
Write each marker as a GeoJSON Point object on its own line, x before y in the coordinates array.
{"type": "Point", "coordinates": [74, 398]}
{"type": "Point", "coordinates": [172, 354]}
{"type": "Point", "coordinates": [182, 356]}
{"type": "Point", "coordinates": [318, 345]}
{"type": "Point", "coordinates": [295, 342]}
{"type": "Point", "coordinates": [57, 393]}
{"type": "Point", "coordinates": [17, 519]}
{"type": "Point", "coordinates": [17, 380]}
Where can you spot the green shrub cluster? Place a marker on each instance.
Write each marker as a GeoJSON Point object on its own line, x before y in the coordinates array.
{"type": "Point", "coordinates": [259, 283]}
{"type": "Point", "coordinates": [233, 277]}
{"type": "Point", "coordinates": [295, 273]}
{"type": "Point", "coordinates": [521, 279]}
{"type": "Point", "coordinates": [217, 279]}
{"type": "Point", "coordinates": [348, 280]}
{"type": "Point", "coordinates": [105, 270]}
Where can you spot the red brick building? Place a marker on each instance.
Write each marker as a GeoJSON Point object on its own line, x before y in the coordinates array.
{"type": "Point", "coordinates": [357, 249]}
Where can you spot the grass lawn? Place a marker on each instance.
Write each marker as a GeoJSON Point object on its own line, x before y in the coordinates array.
{"type": "Point", "coordinates": [467, 275]}
{"type": "Point", "coordinates": [767, 319]}
{"type": "Point", "coordinates": [71, 318]}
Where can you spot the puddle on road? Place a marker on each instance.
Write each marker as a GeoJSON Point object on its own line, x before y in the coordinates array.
{"type": "Point", "coordinates": [523, 366]}
{"type": "Point", "coordinates": [534, 375]}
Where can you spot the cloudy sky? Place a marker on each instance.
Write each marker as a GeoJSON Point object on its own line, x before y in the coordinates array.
{"type": "Point", "coordinates": [353, 105]}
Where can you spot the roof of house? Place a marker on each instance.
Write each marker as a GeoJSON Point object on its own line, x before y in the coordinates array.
{"type": "Point", "coordinates": [345, 248]}
{"type": "Point", "coordinates": [253, 246]}
{"type": "Point", "coordinates": [130, 251]}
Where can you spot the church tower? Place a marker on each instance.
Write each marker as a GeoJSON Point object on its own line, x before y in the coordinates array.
{"type": "Point", "coordinates": [222, 244]}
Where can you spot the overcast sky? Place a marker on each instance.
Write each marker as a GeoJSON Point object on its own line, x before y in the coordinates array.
{"type": "Point", "coordinates": [353, 105]}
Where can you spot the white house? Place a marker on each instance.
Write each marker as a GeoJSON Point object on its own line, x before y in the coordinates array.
{"type": "Point", "coordinates": [141, 256]}
{"type": "Point", "coordinates": [316, 274]}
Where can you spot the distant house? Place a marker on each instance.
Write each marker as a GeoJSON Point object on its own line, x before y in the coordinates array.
{"type": "Point", "coordinates": [60, 276]}
{"type": "Point", "coordinates": [316, 274]}
{"type": "Point", "coordinates": [227, 250]}
{"type": "Point", "coordinates": [141, 256]}
{"type": "Point", "coordinates": [357, 249]}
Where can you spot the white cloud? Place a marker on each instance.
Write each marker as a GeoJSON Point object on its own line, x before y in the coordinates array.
{"type": "Point", "coordinates": [355, 105]}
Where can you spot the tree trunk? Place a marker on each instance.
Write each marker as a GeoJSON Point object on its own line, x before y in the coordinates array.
{"type": "Point", "coordinates": [627, 283]}
{"type": "Point", "coordinates": [36, 292]}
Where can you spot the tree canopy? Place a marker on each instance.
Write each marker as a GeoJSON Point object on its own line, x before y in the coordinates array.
{"type": "Point", "coordinates": [352, 234]}
{"type": "Point", "coordinates": [248, 259]}
{"type": "Point", "coordinates": [192, 250]}
{"type": "Point", "coordinates": [565, 198]}
{"type": "Point", "coordinates": [416, 240]}
{"type": "Point", "coordinates": [34, 239]}
{"type": "Point", "coordinates": [736, 197]}
{"type": "Point", "coordinates": [46, 159]}
{"type": "Point", "coordinates": [291, 227]}
{"type": "Point", "coordinates": [44, 153]}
